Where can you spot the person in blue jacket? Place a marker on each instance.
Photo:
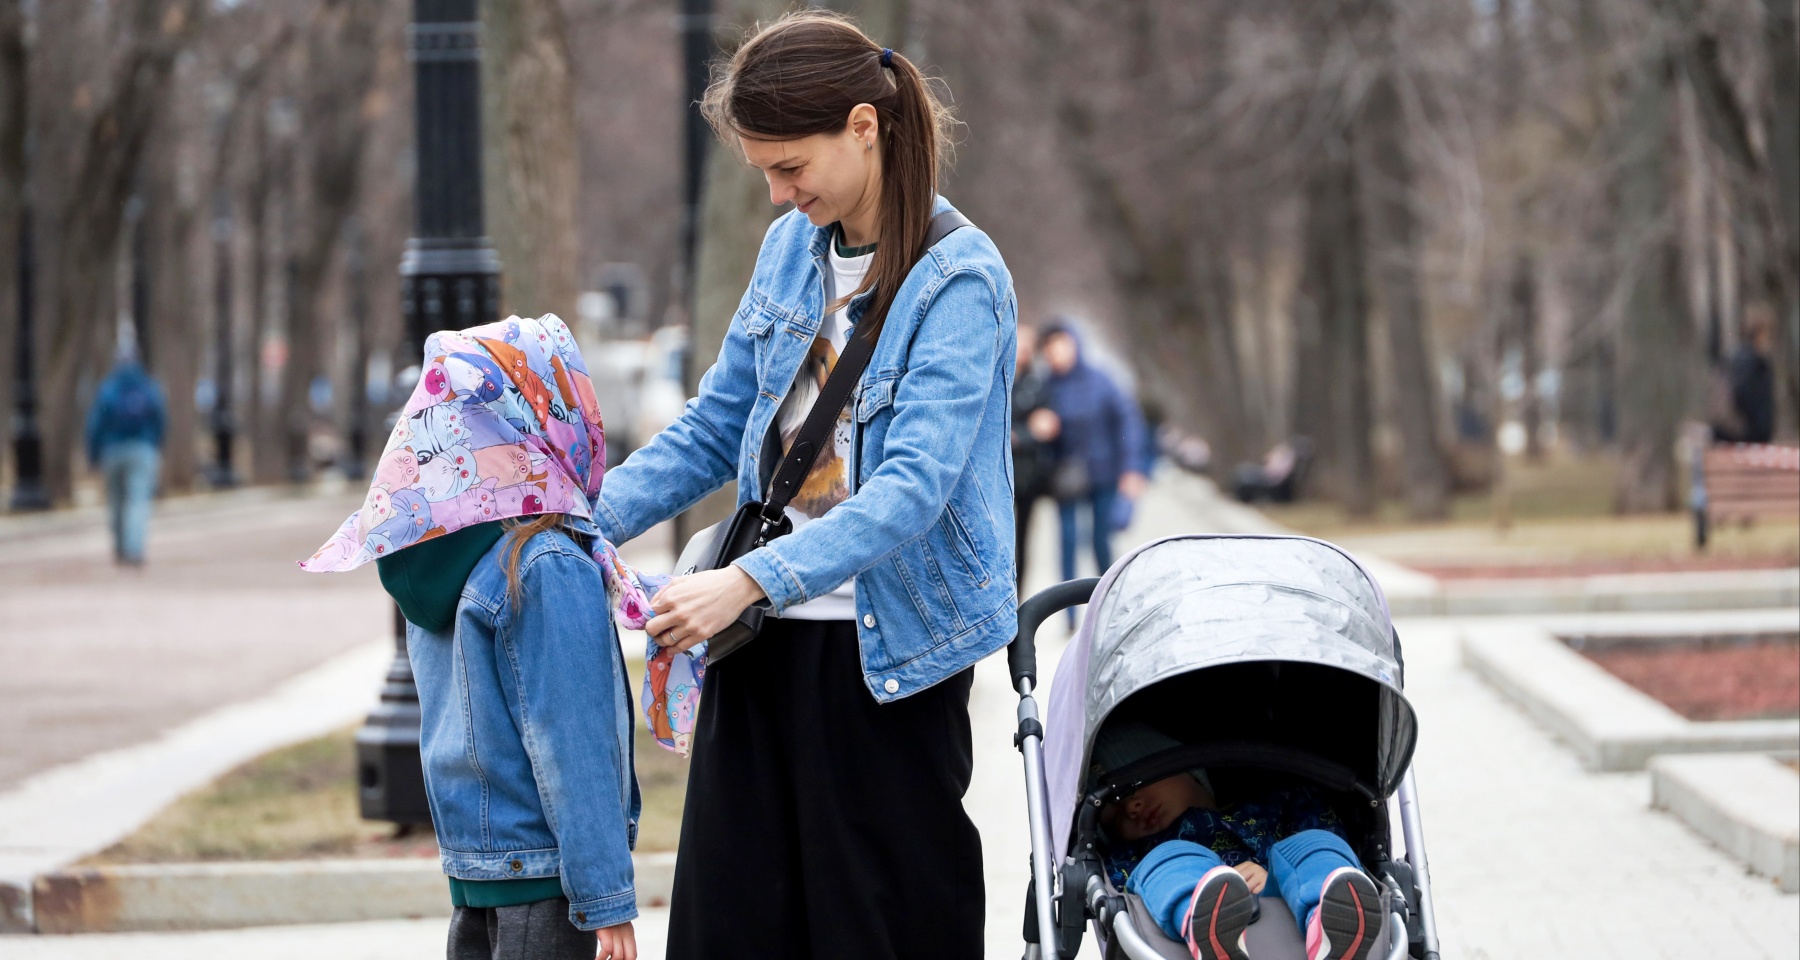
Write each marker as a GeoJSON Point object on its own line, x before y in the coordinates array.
{"type": "Point", "coordinates": [124, 440]}
{"type": "Point", "coordinates": [1099, 451]}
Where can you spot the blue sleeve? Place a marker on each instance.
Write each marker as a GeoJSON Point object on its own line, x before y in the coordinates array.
{"type": "Point", "coordinates": [693, 456]}
{"type": "Point", "coordinates": [951, 369]}
{"type": "Point", "coordinates": [1131, 431]}
{"type": "Point", "coordinates": [573, 713]}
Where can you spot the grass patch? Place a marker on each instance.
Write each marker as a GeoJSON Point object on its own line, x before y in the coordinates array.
{"type": "Point", "coordinates": [300, 803]}
{"type": "Point", "coordinates": [1561, 515]}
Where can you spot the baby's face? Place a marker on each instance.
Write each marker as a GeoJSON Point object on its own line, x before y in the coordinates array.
{"type": "Point", "coordinates": [1154, 807]}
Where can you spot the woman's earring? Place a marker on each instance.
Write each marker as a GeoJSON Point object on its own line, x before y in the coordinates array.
{"type": "Point", "coordinates": [869, 144]}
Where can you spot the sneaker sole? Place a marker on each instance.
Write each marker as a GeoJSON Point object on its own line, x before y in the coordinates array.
{"type": "Point", "coordinates": [1350, 913]}
{"type": "Point", "coordinates": [1225, 907]}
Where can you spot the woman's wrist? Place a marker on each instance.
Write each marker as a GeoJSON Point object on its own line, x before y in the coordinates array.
{"type": "Point", "coordinates": [751, 590]}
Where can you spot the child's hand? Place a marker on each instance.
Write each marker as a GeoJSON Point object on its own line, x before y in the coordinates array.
{"type": "Point", "coordinates": [1254, 875]}
{"type": "Point", "coordinates": [617, 942]}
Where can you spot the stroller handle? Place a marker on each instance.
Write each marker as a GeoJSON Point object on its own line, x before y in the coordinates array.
{"type": "Point", "coordinates": [1021, 654]}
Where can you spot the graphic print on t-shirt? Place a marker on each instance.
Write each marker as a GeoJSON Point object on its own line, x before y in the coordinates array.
{"type": "Point", "coordinates": [828, 483]}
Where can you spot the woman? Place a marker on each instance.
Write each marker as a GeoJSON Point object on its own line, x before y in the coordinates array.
{"type": "Point", "coordinates": [824, 813]}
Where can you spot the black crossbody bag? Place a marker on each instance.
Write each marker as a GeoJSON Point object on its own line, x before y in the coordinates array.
{"type": "Point", "coordinates": [757, 522]}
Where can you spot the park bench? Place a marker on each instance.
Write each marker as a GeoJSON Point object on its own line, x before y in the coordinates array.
{"type": "Point", "coordinates": [1742, 483]}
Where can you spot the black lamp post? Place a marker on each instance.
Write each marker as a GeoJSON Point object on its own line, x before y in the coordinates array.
{"type": "Point", "coordinates": [29, 492]}
{"type": "Point", "coordinates": [450, 278]}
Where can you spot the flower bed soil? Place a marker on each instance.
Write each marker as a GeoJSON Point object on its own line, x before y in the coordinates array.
{"type": "Point", "coordinates": [1743, 677]}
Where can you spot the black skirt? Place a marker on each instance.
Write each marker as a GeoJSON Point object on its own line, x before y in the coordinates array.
{"type": "Point", "coordinates": [820, 823]}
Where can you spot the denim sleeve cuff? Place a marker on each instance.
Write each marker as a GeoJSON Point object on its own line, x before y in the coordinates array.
{"type": "Point", "coordinates": [608, 521]}
{"type": "Point", "coordinates": [775, 578]}
{"type": "Point", "coordinates": [604, 911]}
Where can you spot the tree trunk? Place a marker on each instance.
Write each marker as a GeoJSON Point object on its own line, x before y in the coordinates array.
{"type": "Point", "coordinates": [341, 63]}
{"type": "Point", "coordinates": [1781, 32]}
{"type": "Point", "coordinates": [13, 100]}
{"type": "Point", "coordinates": [530, 151]}
{"type": "Point", "coordinates": [1333, 407]}
{"type": "Point", "coordinates": [174, 314]}
{"type": "Point", "coordinates": [1386, 179]}
{"type": "Point", "coordinates": [1655, 352]}
{"type": "Point", "coordinates": [90, 211]}
{"type": "Point", "coordinates": [264, 170]}
{"type": "Point", "coordinates": [734, 214]}
{"type": "Point", "coordinates": [1524, 326]}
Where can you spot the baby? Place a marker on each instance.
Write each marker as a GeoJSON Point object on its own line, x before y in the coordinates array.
{"type": "Point", "coordinates": [1196, 865]}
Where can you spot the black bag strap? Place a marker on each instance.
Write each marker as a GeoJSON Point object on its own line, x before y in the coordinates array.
{"type": "Point", "coordinates": [810, 441]}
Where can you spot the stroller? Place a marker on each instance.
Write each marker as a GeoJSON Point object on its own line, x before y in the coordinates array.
{"type": "Point", "coordinates": [1274, 662]}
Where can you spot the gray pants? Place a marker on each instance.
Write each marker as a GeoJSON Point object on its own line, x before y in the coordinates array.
{"type": "Point", "coordinates": [529, 931]}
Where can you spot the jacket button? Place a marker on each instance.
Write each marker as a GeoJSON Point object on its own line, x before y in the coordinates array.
{"type": "Point", "coordinates": [580, 916]}
{"type": "Point", "coordinates": [892, 686]}
{"type": "Point", "coordinates": [869, 620]}
{"type": "Point", "coordinates": [517, 865]}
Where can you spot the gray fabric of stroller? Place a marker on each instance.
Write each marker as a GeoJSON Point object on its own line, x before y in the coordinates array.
{"type": "Point", "coordinates": [1188, 603]}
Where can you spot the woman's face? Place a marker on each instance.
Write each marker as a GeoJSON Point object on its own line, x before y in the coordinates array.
{"type": "Point", "coordinates": [830, 177]}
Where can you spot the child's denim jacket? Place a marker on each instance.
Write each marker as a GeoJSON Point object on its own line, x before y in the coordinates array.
{"type": "Point", "coordinates": [928, 529]}
{"type": "Point", "coordinates": [526, 731]}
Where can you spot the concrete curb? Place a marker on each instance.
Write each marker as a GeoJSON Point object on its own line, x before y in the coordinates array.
{"type": "Point", "coordinates": [1612, 593]}
{"type": "Point", "coordinates": [211, 896]}
{"type": "Point", "coordinates": [1610, 724]}
{"type": "Point", "coordinates": [1746, 803]}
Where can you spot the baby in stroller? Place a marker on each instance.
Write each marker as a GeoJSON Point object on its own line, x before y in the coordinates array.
{"type": "Point", "coordinates": [1199, 865]}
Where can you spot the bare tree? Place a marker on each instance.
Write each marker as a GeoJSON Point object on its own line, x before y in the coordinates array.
{"type": "Point", "coordinates": [531, 154]}
{"type": "Point", "coordinates": [13, 121]}
{"type": "Point", "coordinates": [1391, 221]}
{"type": "Point", "coordinates": [85, 191]}
{"type": "Point", "coordinates": [340, 64]}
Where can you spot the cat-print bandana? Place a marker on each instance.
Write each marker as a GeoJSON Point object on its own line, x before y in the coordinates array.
{"type": "Point", "coordinates": [502, 424]}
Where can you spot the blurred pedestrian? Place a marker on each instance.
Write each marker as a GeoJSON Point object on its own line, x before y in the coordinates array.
{"type": "Point", "coordinates": [1034, 430]}
{"type": "Point", "coordinates": [1099, 450]}
{"type": "Point", "coordinates": [124, 439]}
{"type": "Point", "coordinates": [1750, 380]}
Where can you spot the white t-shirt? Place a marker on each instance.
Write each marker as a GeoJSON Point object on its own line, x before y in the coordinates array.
{"type": "Point", "coordinates": [828, 484]}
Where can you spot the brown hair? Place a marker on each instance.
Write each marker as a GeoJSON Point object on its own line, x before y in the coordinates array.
{"type": "Point", "coordinates": [802, 75]}
{"type": "Point", "coordinates": [519, 531]}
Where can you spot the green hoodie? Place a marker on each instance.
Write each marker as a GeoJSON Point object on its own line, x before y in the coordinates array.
{"type": "Point", "coordinates": [426, 580]}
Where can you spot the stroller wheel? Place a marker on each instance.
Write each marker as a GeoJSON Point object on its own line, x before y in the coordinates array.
{"type": "Point", "coordinates": [1219, 914]}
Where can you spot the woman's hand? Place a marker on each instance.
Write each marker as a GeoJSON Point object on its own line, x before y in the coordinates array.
{"type": "Point", "coordinates": [1133, 485]}
{"type": "Point", "coordinates": [618, 942]}
{"type": "Point", "coordinates": [693, 608]}
{"type": "Point", "coordinates": [1254, 875]}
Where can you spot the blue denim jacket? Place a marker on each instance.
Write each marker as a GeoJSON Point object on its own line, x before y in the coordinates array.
{"type": "Point", "coordinates": [928, 528]}
{"type": "Point", "coordinates": [526, 731]}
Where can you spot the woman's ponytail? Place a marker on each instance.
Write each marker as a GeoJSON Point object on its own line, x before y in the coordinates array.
{"type": "Point", "coordinates": [801, 75]}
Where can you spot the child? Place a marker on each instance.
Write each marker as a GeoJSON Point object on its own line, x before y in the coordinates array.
{"type": "Point", "coordinates": [478, 519]}
{"type": "Point", "coordinates": [1196, 864]}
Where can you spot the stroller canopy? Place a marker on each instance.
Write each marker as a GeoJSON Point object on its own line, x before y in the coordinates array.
{"type": "Point", "coordinates": [1186, 604]}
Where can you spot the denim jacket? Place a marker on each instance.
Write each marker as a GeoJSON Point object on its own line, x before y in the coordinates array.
{"type": "Point", "coordinates": [526, 731]}
{"type": "Point", "coordinates": [928, 528]}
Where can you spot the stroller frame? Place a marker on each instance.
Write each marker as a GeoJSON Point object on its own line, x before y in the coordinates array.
{"type": "Point", "coordinates": [1062, 898]}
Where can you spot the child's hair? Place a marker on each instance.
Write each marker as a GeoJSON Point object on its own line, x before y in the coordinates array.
{"type": "Point", "coordinates": [801, 75]}
{"type": "Point", "coordinates": [519, 531]}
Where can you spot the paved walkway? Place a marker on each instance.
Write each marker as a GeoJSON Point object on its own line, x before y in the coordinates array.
{"type": "Point", "coordinates": [1533, 857]}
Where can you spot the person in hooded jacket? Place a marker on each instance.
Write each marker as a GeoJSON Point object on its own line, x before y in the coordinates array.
{"type": "Point", "coordinates": [124, 440]}
{"type": "Point", "coordinates": [1099, 449]}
